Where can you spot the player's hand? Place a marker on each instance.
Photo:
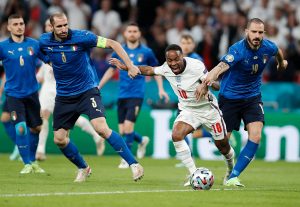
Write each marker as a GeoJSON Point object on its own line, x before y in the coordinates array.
{"type": "Point", "coordinates": [133, 71]}
{"type": "Point", "coordinates": [210, 79]}
{"type": "Point", "coordinates": [282, 66]}
{"type": "Point", "coordinates": [164, 95]}
{"type": "Point", "coordinates": [117, 63]}
{"type": "Point", "coordinates": [201, 91]}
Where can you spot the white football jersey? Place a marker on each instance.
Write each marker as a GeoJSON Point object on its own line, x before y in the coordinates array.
{"type": "Point", "coordinates": [46, 73]}
{"type": "Point", "coordinates": [184, 85]}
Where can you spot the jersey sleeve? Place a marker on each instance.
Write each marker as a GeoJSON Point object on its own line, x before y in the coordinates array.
{"type": "Point", "coordinates": [88, 39]}
{"type": "Point", "coordinates": [232, 57]}
{"type": "Point", "coordinates": [159, 70]}
{"type": "Point", "coordinates": [152, 60]}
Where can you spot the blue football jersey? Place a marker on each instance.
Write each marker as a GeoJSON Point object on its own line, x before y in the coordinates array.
{"type": "Point", "coordinates": [195, 56]}
{"type": "Point", "coordinates": [243, 79]}
{"type": "Point", "coordinates": [72, 66]}
{"type": "Point", "coordinates": [20, 61]}
{"type": "Point", "coordinates": [135, 88]}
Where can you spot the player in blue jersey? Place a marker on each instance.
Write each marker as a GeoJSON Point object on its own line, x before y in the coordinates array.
{"type": "Point", "coordinates": [77, 92]}
{"type": "Point", "coordinates": [19, 55]}
{"type": "Point", "coordinates": [132, 91]}
{"type": "Point", "coordinates": [240, 95]}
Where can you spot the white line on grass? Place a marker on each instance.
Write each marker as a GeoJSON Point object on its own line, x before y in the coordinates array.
{"type": "Point", "coordinates": [95, 193]}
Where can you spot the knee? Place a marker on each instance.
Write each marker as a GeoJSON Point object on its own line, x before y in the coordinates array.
{"type": "Point", "coordinates": [103, 130]}
{"type": "Point", "coordinates": [21, 128]}
{"type": "Point", "coordinates": [5, 117]}
{"type": "Point", "coordinates": [177, 136]}
{"type": "Point", "coordinates": [60, 141]}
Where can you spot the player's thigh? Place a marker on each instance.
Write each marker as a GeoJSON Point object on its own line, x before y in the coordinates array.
{"type": "Point", "coordinates": [33, 108]}
{"type": "Point", "coordinates": [16, 108]}
{"type": "Point", "coordinates": [65, 113]}
{"type": "Point", "coordinates": [122, 109]}
{"type": "Point", "coordinates": [185, 123]}
{"type": "Point", "coordinates": [133, 106]}
{"type": "Point", "coordinates": [231, 110]}
{"type": "Point", "coordinates": [253, 111]}
{"type": "Point", "coordinates": [101, 127]}
{"type": "Point", "coordinates": [90, 104]}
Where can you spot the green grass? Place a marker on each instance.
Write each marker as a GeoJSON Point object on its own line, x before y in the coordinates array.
{"type": "Point", "coordinates": [267, 184]}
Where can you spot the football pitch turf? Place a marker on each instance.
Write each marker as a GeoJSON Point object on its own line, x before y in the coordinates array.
{"type": "Point", "coordinates": [267, 184]}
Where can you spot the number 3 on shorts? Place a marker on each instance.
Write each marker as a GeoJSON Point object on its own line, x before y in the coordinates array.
{"type": "Point", "coordinates": [94, 104]}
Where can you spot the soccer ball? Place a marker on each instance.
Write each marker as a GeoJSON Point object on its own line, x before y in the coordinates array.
{"type": "Point", "coordinates": [202, 179]}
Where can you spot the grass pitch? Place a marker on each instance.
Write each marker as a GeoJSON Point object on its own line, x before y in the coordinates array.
{"type": "Point", "coordinates": [267, 184]}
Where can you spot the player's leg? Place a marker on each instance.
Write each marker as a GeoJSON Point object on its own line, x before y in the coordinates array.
{"type": "Point", "coordinates": [34, 122]}
{"type": "Point", "coordinates": [64, 117]}
{"type": "Point", "coordinates": [17, 111]}
{"type": "Point", "coordinates": [253, 117]}
{"type": "Point", "coordinates": [86, 126]}
{"type": "Point", "coordinates": [43, 136]}
{"type": "Point", "coordinates": [93, 107]}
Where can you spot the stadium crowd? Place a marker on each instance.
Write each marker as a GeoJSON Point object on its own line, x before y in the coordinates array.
{"type": "Point", "coordinates": [214, 24]}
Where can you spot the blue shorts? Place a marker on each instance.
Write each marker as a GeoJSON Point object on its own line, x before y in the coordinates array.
{"type": "Point", "coordinates": [128, 109]}
{"type": "Point", "coordinates": [234, 110]}
{"type": "Point", "coordinates": [67, 109]}
{"type": "Point", "coordinates": [25, 109]}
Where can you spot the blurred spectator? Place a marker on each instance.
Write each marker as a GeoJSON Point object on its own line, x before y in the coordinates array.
{"type": "Point", "coordinates": [98, 57]}
{"type": "Point", "coordinates": [56, 6]}
{"type": "Point", "coordinates": [78, 12]}
{"type": "Point", "coordinates": [159, 43]}
{"type": "Point", "coordinates": [174, 34]}
{"type": "Point", "coordinates": [106, 22]}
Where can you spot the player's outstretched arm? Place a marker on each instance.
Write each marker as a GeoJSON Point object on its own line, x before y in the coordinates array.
{"type": "Point", "coordinates": [145, 70]}
{"type": "Point", "coordinates": [161, 91]}
{"type": "Point", "coordinates": [116, 46]}
{"type": "Point", "coordinates": [214, 74]}
{"type": "Point", "coordinates": [106, 77]}
{"type": "Point", "coordinates": [281, 62]}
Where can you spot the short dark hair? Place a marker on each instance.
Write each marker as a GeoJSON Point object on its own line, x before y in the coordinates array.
{"type": "Point", "coordinates": [51, 18]}
{"type": "Point", "coordinates": [173, 47]}
{"type": "Point", "coordinates": [255, 20]}
{"type": "Point", "coordinates": [14, 16]}
{"type": "Point", "coordinates": [132, 24]}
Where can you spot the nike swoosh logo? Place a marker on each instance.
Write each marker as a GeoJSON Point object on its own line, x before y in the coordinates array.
{"type": "Point", "coordinates": [247, 158]}
{"type": "Point", "coordinates": [119, 151]}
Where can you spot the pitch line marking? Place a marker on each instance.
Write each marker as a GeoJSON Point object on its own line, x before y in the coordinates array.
{"type": "Point", "coordinates": [97, 193]}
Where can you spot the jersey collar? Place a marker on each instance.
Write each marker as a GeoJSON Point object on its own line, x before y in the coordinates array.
{"type": "Point", "coordinates": [68, 37]}
{"type": "Point", "coordinates": [12, 41]}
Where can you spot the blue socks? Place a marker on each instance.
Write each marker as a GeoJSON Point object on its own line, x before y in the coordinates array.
{"type": "Point", "coordinates": [129, 139]}
{"type": "Point", "coordinates": [244, 158]}
{"type": "Point", "coordinates": [10, 130]}
{"type": "Point", "coordinates": [33, 141]}
{"type": "Point", "coordinates": [72, 153]}
{"type": "Point", "coordinates": [138, 138]}
{"type": "Point", "coordinates": [22, 141]}
{"type": "Point", "coordinates": [117, 142]}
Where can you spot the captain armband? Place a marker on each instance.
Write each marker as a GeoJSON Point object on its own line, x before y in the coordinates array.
{"type": "Point", "coordinates": [101, 42]}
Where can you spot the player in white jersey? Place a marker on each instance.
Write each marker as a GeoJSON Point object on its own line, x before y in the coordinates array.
{"type": "Point", "coordinates": [47, 99]}
{"type": "Point", "coordinates": [198, 107]}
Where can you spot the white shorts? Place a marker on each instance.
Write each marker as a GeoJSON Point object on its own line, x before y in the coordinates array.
{"type": "Point", "coordinates": [211, 120]}
{"type": "Point", "coordinates": [47, 99]}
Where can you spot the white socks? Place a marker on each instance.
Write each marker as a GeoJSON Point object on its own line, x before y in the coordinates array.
{"type": "Point", "coordinates": [184, 155]}
{"type": "Point", "coordinates": [43, 137]}
{"type": "Point", "coordinates": [229, 159]}
{"type": "Point", "coordinates": [86, 126]}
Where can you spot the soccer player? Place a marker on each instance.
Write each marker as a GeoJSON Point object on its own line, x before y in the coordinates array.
{"type": "Point", "coordinates": [19, 55]}
{"type": "Point", "coordinates": [240, 95]}
{"type": "Point", "coordinates": [185, 76]}
{"type": "Point", "coordinates": [47, 100]}
{"type": "Point", "coordinates": [132, 91]}
{"type": "Point", "coordinates": [77, 92]}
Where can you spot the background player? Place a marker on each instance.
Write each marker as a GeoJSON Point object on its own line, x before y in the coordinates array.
{"type": "Point", "coordinates": [132, 91]}
{"type": "Point", "coordinates": [19, 55]}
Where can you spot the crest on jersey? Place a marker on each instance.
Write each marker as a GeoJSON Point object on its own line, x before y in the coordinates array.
{"type": "Point", "coordinates": [229, 58]}
{"type": "Point", "coordinates": [265, 58]}
{"type": "Point", "coordinates": [30, 51]}
{"type": "Point", "coordinates": [140, 58]}
{"type": "Point", "coordinates": [178, 79]}
{"type": "Point", "coordinates": [74, 47]}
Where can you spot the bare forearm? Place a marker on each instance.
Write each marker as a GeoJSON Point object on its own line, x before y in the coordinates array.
{"type": "Point", "coordinates": [219, 69]}
{"type": "Point", "coordinates": [120, 51]}
{"type": "Point", "coordinates": [147, 70]}
{"type": "Point", "coordinates": [279, 57]}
